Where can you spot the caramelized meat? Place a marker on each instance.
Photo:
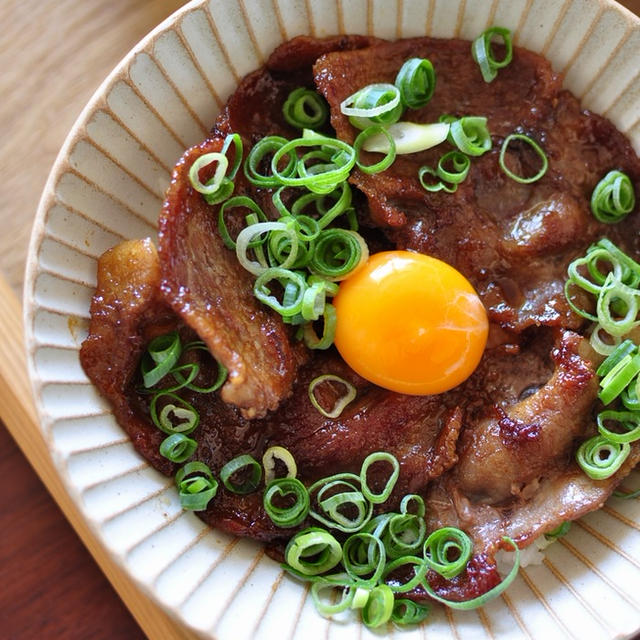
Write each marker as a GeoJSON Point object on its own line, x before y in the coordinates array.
{"type": "Point", "coordinates": [127, 311]}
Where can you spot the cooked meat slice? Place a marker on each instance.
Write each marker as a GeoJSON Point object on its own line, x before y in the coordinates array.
{"type": "Point", "coordinates": [126, 312]}
{"type": "Point", "coordinates": [206, 285]}
{"type": "Point", "coordinates": [502, 455]}
{"type": "Point", "coordinates": [563, 494]}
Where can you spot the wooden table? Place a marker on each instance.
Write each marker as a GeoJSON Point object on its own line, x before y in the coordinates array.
{"type": "Point", "coordinates": [53, 55]}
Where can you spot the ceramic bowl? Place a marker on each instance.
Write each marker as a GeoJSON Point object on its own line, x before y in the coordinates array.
{"type": "Point", "coordinates": [107, 185]}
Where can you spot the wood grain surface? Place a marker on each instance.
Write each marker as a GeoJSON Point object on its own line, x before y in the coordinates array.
{"type": "Point", "coordinates": [53, 55]}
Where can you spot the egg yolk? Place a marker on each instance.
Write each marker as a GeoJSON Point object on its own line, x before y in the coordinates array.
{"type": "Point", "coordinates": [410, 323]}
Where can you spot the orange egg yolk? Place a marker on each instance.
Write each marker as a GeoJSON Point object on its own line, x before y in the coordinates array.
{"type": "Point", "coordinates": [410, 323]}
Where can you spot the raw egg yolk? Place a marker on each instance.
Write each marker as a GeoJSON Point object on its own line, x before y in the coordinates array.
{"type": "Point", "coordinates": [410, 323]}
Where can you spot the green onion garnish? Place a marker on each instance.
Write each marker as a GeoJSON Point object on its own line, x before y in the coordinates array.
{"type": "Point", "coordinates": [406, 612]}
{"type": "Point", "coordinates": [164, 352]}
{"type": "Point", "coordinates": [177, 447]}
{"type": "Point", "coordinates": [471, 135]}
{"type": "Point", "coordinates": [293, 502]}
{"type": "Point", "coordinates": [313, 551]}
{"type": "Point", "coordinates": [364, 556]}
{"type": "Point", "coordinates": [373, 458]}
{"type": "Point", "coordinates": [613, 198]}
{"type": "Point", "coordinates": [416, 81]}
{"type": "Point", "coordinates": [311, 338]}
{"type": "Point", "coordinates": [629, 421]}
{"type": "Point", "coordinates": [361, 139]}
{"type": "Point", "coordinates": [239, 465]}
{"type": "Point", "coordinates": [474, 603]}
{"type": "Point", "coordinates": [615, 382]}
{"type": "Point", "coordinates": [379, 606]}
{"type": "Point", "coordinates": [196, 486]}
{"type": "Point", "coordinates": [256, 158]}
{"type": "Point", "coordinates": [483, 55]}
{"type": "Point", "coordinates": [374, 104]}
{"type": "Point", "coordinates": [600, 458]}
{"type": "Point", "coordinates": [447, 551]}
{"type": "Point", "coordinates": [284, 277]}
{"type": "Point", "coordinates": [329, 606]}
{"type": "Point", "coordinates": [535, 146]}
{"type": "Point", "coordinates": [177, 416]}
{"type": "Point", "coordinates": [270, 458]}
{"type": "Point", "coordinates": [560, 531]}
{"type": "Point", "coordinates": [232, 203]}
{"type": "Point", "coordinates": [337, 253]}
{"type": "Point", "coordinates": [341, 403]}
{"type": "Point", "coordinates": [305, 109]}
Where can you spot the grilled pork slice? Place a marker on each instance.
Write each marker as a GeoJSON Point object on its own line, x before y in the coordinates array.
{"type": "Point", "coordinates": [127, 311]}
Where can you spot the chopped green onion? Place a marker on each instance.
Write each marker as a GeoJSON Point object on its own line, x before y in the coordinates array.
{"type": "Point", "coordinates": [283, 276]}
{"type": "Point", "coordinates": [416, 81]}
{"type": "Point", "coordinates": [329, 607]}
{"type": "Point", "coordinates": [631, 395]}
{"type": "Point", "coordinates": [535, 146]}
{"type": "Point", "coordinates": [615, 295]}
{"type": "Point", "coordinates": [341, 403]}
{"type": "Point", "coordinates": [626, 348]}
{"type": "Point", "coordinates": [447, 551]}
{"type": "Point", "coordinates": [250, 233]}
{"type": "Point", "coordinates": [217, 383]}
{"type": "Point", "coordinates": [277, 453]}
{"type": "Point", "coordinates": [629, 421]}
{"type": "Point", "coordinates": [460, 163]}
{"type": "Point", "coordinates": [419, 572]}
{"type": "Point", "coordinates": [237, 465]}
{"type": "Point", "coordinates": [177, 447]}
{"type": "Point", "coordinates": [360, 596]}
{"type": "Point", "coordinates": [204, 161]}
{"type": "Point", "coordinates": [309, 335]}
{"type": "Point", "coordinates": [373, 458]}
{"type": "Point", "coordinates": [404, 534]}
{"type": "Point", "coordinates": [196, 486]}
{"type": "Point", "coordinates": [313, 551]}
{"type": "Point", "coordinates": [604, 348]}
{"type": "Point", "coordinates": [474, 603]}
{"type": "Point", "coordinates": [470, 135]}
{"type": "Point", "coordinates": [408, 137]}
{"type": "Point", "coordinates": [232, 203]}
{"type": "Point", "coordinates": [185, 417]}
{"type": "Point", "coordinates": [379, 606]}
{"type": "Point", "coordinates": [361, 139]}
{"type": "Point", "coordinates": [434, 186]}
{"type": "Point", "coordinates": [340, 503]}
{"type": "Point", "coordinates": [305, 109]}
{"type": "Point", "coordinates": [560, 531]}
{"type": "Point", "coordinates": [600, 458]}
{"type": "Point", "coordinates": [405, 504]}
{"type": "Point", "coordinates": [613, 198]}
{"type": "Point", "coordinates": [164, 351]}
{"type": "Point", "coordinates": [627, 496]}
{"type": "Point", "coordinates": [377, 103]}
{"type": "Point", "coordinates": [337, 253]}
{"type": "Point", "coordinates": [363, 554]}
{"type": "Point", "coordinates": [614, 383]}
{"type": "Point", "coordinates": [322, 177]}
{"type": "Point", "coordinates": [406, 612]}
{"type": "Point", "coordinates": [256, 158]}
{"type": "Point", "coordinates": [296, 498]}
{"type": "Point", "coordinates": [484, 57]}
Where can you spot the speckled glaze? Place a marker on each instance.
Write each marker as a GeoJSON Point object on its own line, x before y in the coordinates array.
{"type": "Point", "coordinates": [107, 185]}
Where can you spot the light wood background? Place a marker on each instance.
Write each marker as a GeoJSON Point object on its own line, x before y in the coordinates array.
{"type": "Point", "coordinates": [53, 55]}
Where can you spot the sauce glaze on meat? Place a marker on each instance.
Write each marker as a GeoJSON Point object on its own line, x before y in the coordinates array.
{"type": "Point", "coordinates": [533, 395]}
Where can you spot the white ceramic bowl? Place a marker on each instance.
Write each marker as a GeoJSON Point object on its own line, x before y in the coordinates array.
{"type": "Point", "coordinates": [107, 184]}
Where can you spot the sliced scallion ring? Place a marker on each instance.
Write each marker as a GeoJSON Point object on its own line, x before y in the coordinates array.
{"type": "Point", "coordinates": [250, 481]}
{"type": "Point", "coordinates": [535, 146]}
{"type": "Point", "coordinates": [373, 458]}
{"type": "Point", "coordinates": [204, 161]}
{"type": "Point", "coordinates": [305, 109]}
{"type": "Point", "coordinates": [371, 101]}
{"type": "Point", "coordinates": [379, 606]}
{"type": "Point", "coordinates": [196, 486]}
{"type": "Point", "coordinates": [177, 447]}
{"type": "Point", "coordinates": [272, 456]}
{"type": "Point", "coordinates": [294, 499]}
{"type": "Point", "coordinates": [483, 55]}
{"type": "Point", "coordinates": [313, 551]}
{"type": "Point", "coordinates": [447, 551]}
{"type": "Point", "coordinates": [416, 81]}
{"type": "Point", "coordinates": [613, 198]}
{"type": "Point", "coordinates": [341, 403]}
{"type": "Point", "coordinates": [600, 458]}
